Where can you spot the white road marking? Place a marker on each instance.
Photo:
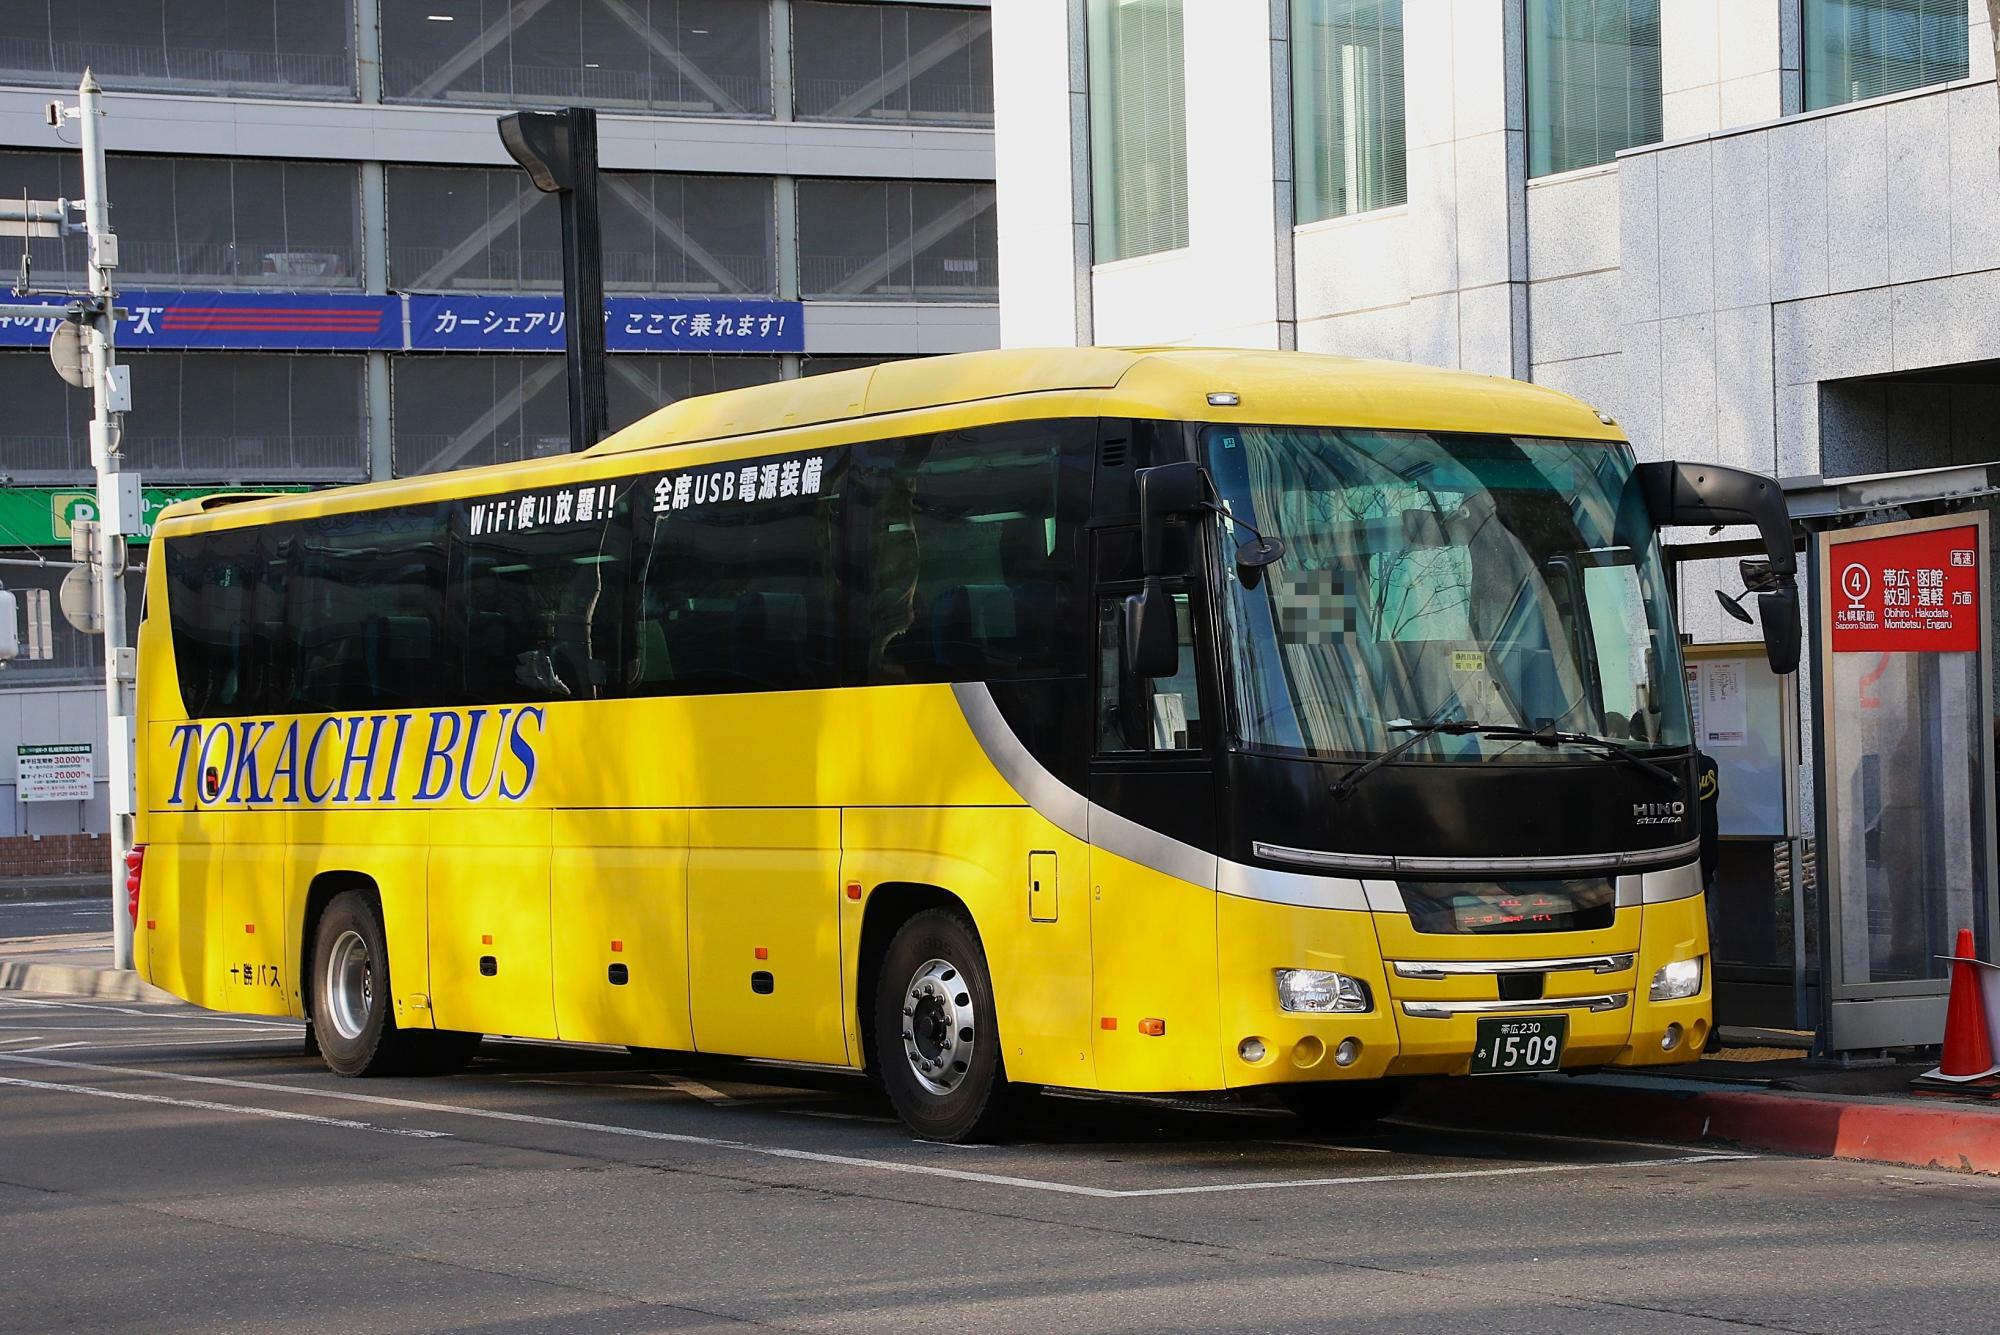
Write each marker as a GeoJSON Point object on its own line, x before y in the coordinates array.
{"type": "Point", "coordinates": [56, 1047]}
{"type": "Point", "coordinates": [706, 1093]}
{"type": "Point", "coordinates": [848, 1160]}
{"type": "Point", "coordinates": [208, 1017]}
{"type": "Point", "coordinates": [1329, 1145]}
{"type": "Point", "coordinates": [24, 1038]}
{"type": "Point", "coordinates": [206, 1106]}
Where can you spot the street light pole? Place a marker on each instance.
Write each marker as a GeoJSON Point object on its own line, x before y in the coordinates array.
{"type": "Point", "coordinates": [111, 397]}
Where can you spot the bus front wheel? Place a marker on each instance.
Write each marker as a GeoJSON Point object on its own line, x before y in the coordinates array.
{"type": "Point", "coordinates": [935, 1035]}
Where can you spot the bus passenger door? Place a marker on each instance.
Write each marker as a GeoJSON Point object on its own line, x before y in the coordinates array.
{"type": "Point", "coordinates": [619, 894]}
{"type": "Point", "coordinates": [1152, 861]}
{"type": "Point", "coordinates": [763, 895]}
{"type": "Point", "coordinates": [489, 922]}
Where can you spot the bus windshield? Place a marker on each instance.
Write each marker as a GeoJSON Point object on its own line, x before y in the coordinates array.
{"type": "Point", "coordinates": [1431, 577]}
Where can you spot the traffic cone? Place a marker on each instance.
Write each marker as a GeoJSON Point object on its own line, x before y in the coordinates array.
{"type": "Point", "coordinates": [1968, 1045]}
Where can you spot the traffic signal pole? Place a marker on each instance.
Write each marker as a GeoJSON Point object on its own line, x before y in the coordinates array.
{"type": "Point", "coordinates": [110, 392]}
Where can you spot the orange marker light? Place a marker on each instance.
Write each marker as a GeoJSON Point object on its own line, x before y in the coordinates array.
{"type": "Point", "coordinates": [486, 940]}
{"type": "Point", "coordinates": [617, 947]}
{"type": "Point", "coordinates": [854, 889]}
{"type": "Point", "coordinates": [1152, 1028]}
{"type": "Point", "coordinates": [1108, 1022]}
{"type": "Point", "coordinates": [151, 924]}
{"type": "Point", "coordinates": [249, 929]}
{"type": "Point", "coordinates": [763, 952]}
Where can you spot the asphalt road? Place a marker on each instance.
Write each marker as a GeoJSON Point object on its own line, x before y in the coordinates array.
{"type": "Point", "coordinates": [167, 1169]}
{"type": "Point", "coordinates": [53, 917]}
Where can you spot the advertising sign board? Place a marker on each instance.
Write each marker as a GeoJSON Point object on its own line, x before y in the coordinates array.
{"type": "Point", "coordinates": [58, 772]}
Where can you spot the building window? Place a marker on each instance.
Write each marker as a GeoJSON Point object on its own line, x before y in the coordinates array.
{"type": "Point", "coordinates": [203, 417]}
{"type": "Point", "coordinates": [1858, 49]}
{"type": "Point", "coordinates": [205, 222]}
{"type": "Point", "coordinates": [673, 57]}
{"type": "Point", "coordinates": [268, 48]}
{"type": "Point", "coordinates": [908, 240]}
{"type": "Point", "coordinates": [476, 230]}
{"type": "Point", "coordinates": [892, 63]}
{"type": "Point", "coordinates": [1347, 106]}
{"type": "Point", "coordinates": [1138, 128]}
{"type": "Point", "coordinates": [1593, 81]}
{"type": "Point", "coordinates": [458, 411]}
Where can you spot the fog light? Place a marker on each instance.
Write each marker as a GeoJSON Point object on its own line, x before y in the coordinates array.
{"type": "Point", "coordinates": [1320, 990]}
{"type": "Point", "coordinates": [1671, 1039]}
{"type": "Point", "coordinates": [1348, 1052]}
{"type": "Point", "coordinates": [1674, 981]}
{"type": "Point", "coordinates": [1251, 1050]}
{"type": "Point", "coordinates": [1308, 1052]}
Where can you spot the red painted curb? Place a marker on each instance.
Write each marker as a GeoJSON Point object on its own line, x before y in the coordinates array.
{"type": "Point", "coordinates": [1964, 1139]}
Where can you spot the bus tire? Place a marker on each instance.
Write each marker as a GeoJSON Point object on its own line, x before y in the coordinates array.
{"type": "Point", "coordinates": [935, 1032]}
{"type": "Point", "coordinates": [1340, 1106]}
{"type": "Point", "coordinates": [351, 1007]}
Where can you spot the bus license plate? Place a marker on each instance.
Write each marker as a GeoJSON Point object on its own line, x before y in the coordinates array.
{"type": "Point", "coordinates": [1518, 1046]}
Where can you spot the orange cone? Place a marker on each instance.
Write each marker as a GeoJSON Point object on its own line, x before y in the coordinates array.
{"type": "Point", "coordinates": [1968, 1047]}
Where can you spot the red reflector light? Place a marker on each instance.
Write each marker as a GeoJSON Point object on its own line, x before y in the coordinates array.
{"type": "Point", "coordinates": [617, 947]}
{"type": "Point", "coordinates": [249, 929]}
{"type": "Point", "coordinates": [854, 889]}
{"type": "Point", "coordinates": [763, 952]}
{"type": "Point", "coordinates": [1108, 1022]}
{"type": "Point", "coordinates": [135, 871]}
{"type": "Point", "coordinates": [1152, 1028]}
{"type": "Point", "coordinates": [151, 925]}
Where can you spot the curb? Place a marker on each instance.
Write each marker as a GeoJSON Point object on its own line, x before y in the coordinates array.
{"type": "Point", "coordinates": [1955, 1137]}
{"type": "Point", "coordinates": [69, 887]}
{"type": "Point", "coordinates": [79, 980]}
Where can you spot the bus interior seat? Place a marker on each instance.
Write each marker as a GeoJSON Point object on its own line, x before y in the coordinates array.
{"type": "Point", "coordinates": [973, 625]}
{"type": "Point", "coordinates": [653, 660]}
{"type": "Point", "coordinates": [770, 635]}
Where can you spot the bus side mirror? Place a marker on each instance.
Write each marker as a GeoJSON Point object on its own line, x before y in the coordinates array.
{"type": "Point", "coordinates": [1152, 641]}
{"type": "Point", "coordinates": [1694, 493]}
{"type": "Point", "coordinates": [1165, 492]}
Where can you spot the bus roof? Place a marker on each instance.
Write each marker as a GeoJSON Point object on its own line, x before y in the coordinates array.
{"type": "Point", "coordinates": [975, 388]}
{"type": "Point", "coordinates": [1294, 388]}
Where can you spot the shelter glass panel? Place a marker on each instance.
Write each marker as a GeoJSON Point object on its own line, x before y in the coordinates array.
{"type": "Point", "coordinates": [918, 63]}
{"type": "Point", "coordinates": [678, 57]}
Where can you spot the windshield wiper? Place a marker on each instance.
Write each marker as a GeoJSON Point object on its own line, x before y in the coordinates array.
{"type": "Point", "coordinates": [1546, 735]}
{"type": "Point", "coordinates": [1418, 731]}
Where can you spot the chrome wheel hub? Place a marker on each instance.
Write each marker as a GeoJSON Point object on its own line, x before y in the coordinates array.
{"type": "Point", "coordinates": [938, 1026]}
{"type": "Point", "coordinates": [350, 986]}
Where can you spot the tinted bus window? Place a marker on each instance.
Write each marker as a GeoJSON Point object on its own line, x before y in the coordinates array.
{"type": "Point", "coordinates": [365, 608]}
{"type": "Point", "coordinates": [225, 610]}
{"type": "Point", "coordinates": [539, 592]}
{"type": "Point", "coordinates": [738, 587]}
{"type": "Point", "coordinates": [966, 559]}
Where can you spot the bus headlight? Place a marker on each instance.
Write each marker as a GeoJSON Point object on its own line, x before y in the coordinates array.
{"type": "Point", "coordinates": [1321, 990]}
{"type": "Point", "coordinates": [1680, 979]}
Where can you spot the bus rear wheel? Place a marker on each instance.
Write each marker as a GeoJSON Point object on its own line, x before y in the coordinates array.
{"type": "Point", "coordinates": [352, 1009]}
{"type": "Point", "coordinates": [936, 1039]}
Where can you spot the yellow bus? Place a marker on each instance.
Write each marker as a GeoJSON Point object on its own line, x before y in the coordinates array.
{"type": "Point", "coordinates": [1092, 719]}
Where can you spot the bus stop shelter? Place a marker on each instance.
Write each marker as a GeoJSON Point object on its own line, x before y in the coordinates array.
{"type": "Point", "coordinates": [1857, 797]}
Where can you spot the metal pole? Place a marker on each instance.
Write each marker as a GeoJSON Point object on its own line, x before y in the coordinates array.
{"type": "Point", "coordinates": [583, 285]}
{"type": "Point", "coordinates": [105, 426]}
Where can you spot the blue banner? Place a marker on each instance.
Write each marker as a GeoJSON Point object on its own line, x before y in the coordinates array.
{"type": "Point", "coordinates": [632, 324]}
{"type": "Point", "coordinates": [304, 321]}
{"type": "Point", "coordinates": [328, 321]}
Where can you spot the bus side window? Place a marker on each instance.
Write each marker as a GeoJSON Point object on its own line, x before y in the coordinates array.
{"type": "Point", "coordinates": [1134, 714]}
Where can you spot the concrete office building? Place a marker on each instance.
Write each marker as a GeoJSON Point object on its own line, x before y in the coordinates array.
{"type": "Point", "coordinates": [790, 186]}
{"type": "Point", "coordinates": [1760, 232]}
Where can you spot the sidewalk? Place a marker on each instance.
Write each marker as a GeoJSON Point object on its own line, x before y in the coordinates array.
{"type": "Point", "coordinates": [1777, 1104]}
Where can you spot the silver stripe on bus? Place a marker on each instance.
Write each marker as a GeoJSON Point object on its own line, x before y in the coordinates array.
{"type": "Point", "coordinates": [1447, 968]}
{"type": "Point", "coordinates": [1552, 864]}
{"type": "Point", "coordinates": [1444, 1010]}
{"type": "Point", "coordinates": [1683, 882]}
{"type": "Point", "coordinates": [1055, 801]}
{"type": "Point", "coordinates": [1290, 887]}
